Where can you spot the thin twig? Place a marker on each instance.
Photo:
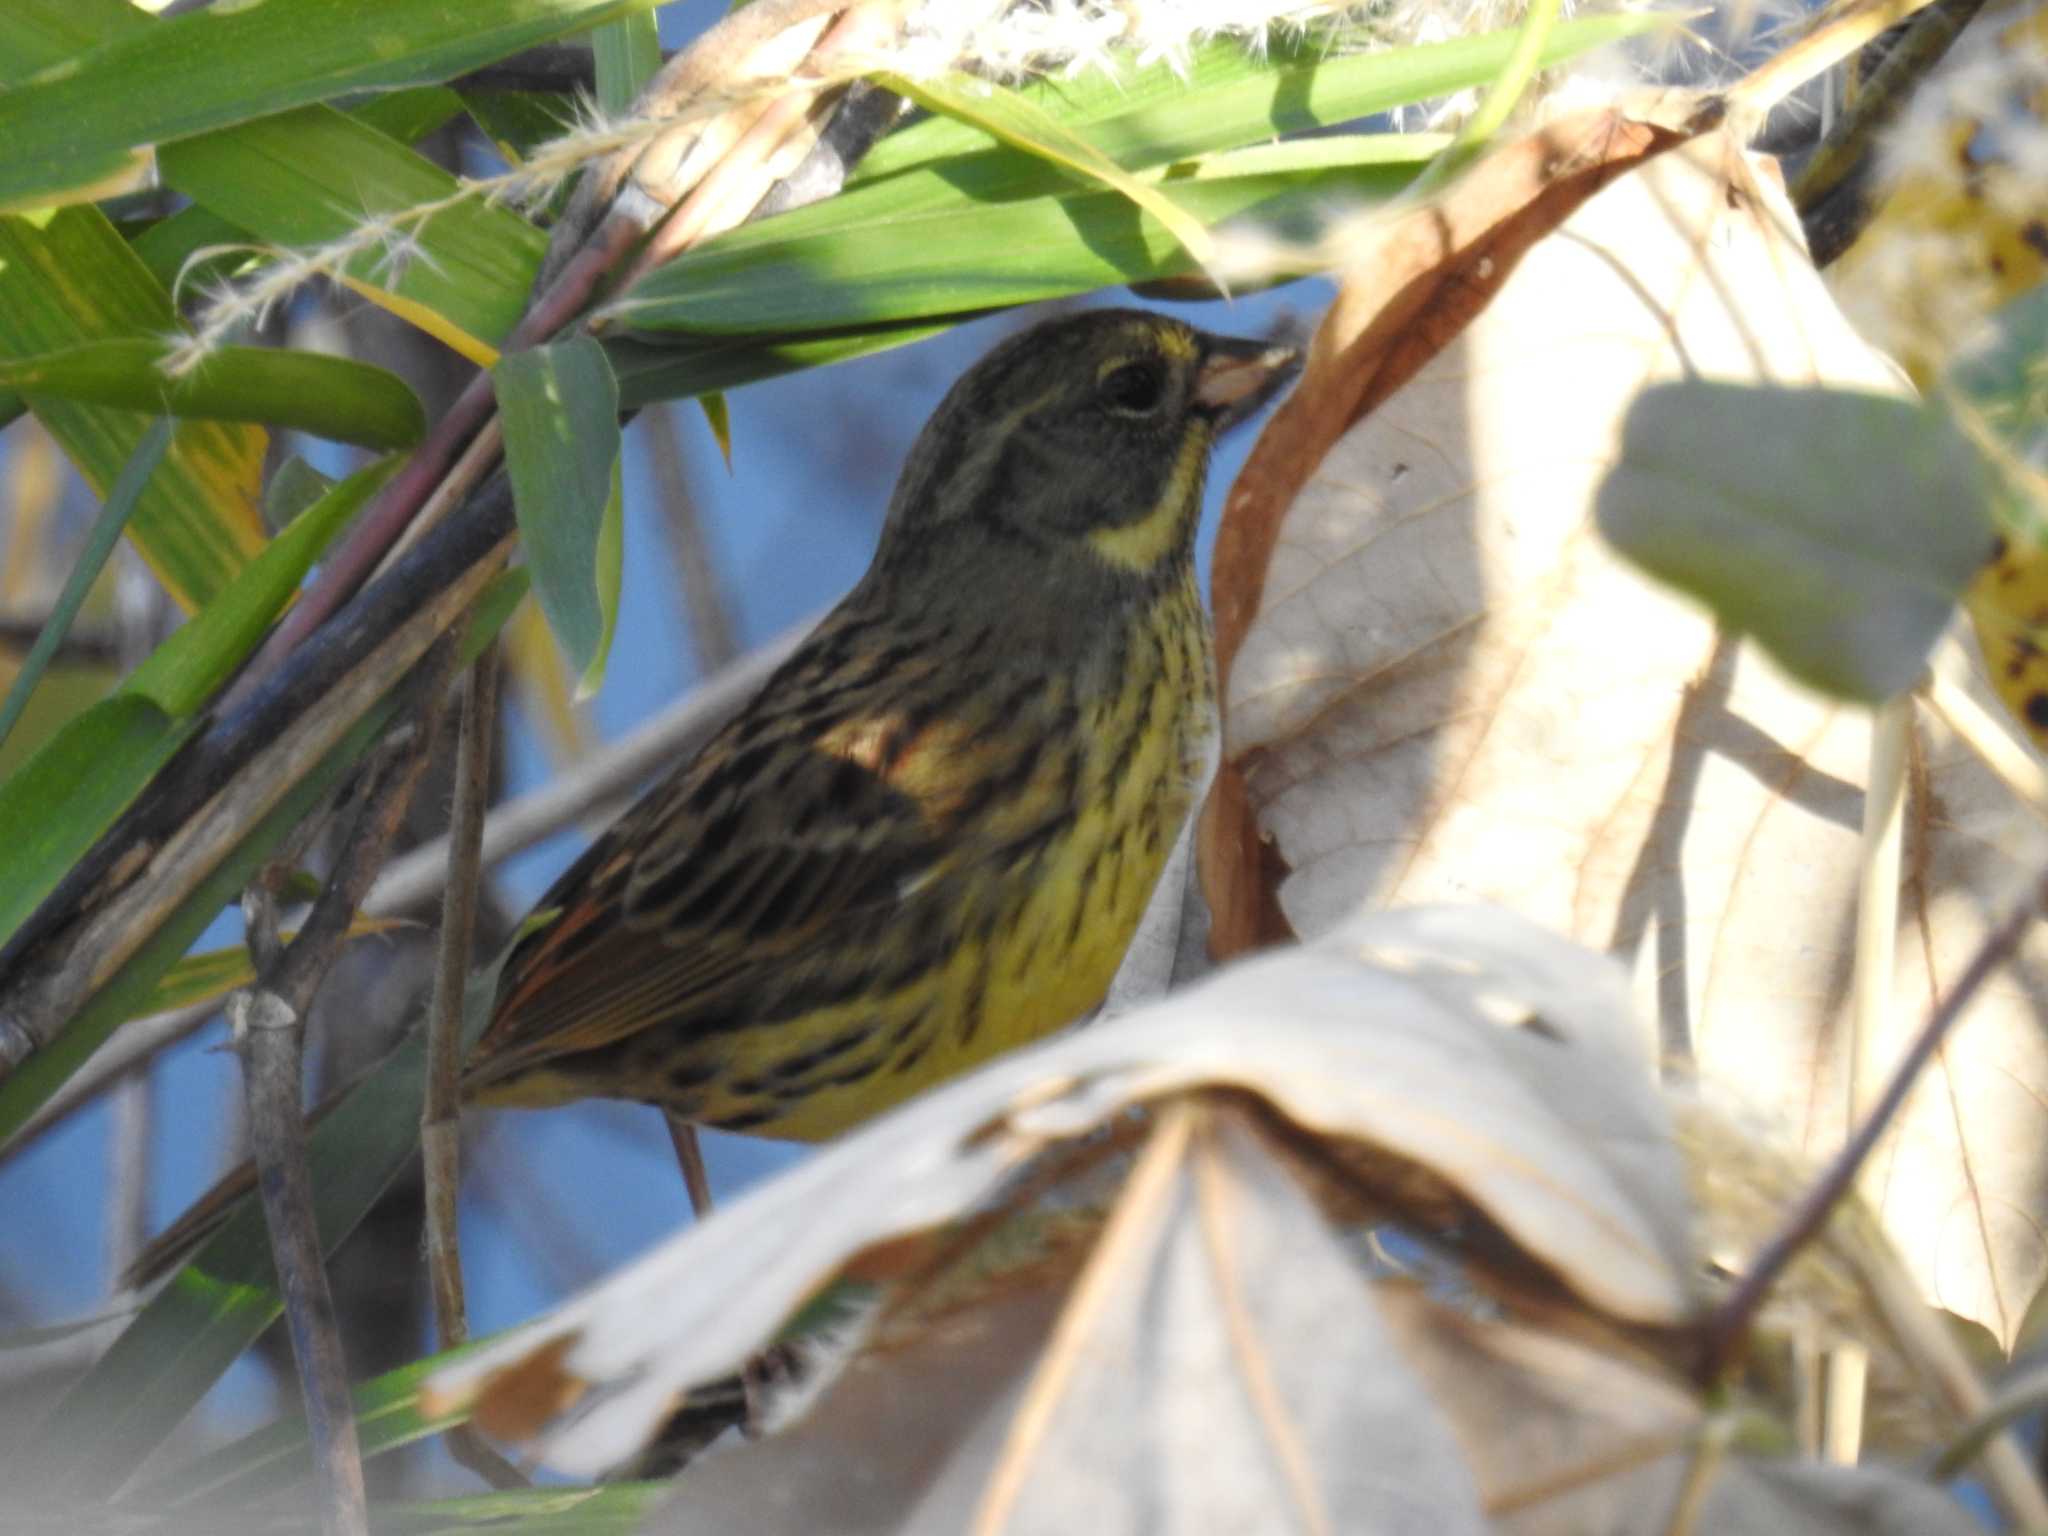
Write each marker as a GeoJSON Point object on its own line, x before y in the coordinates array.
{"type": "Point", "coordinates": [604, 778]}
{"type": "Point", "coordinates": [269, 1024]}
{"type": "Point", "coordinates": [690, 1158]}
{"type": "Point", "coordinates": [440, 1124]}
{"type": "Point", "coordinates": [711, 627]}
{"type": "Point", "coordinates": [1730, 1323]}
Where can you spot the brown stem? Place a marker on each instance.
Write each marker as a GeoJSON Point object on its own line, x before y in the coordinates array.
{"type": "Point", "coordinates": [711, 627]}
{"type": "Point", "coordinates": [440, 1124]}
{"type": "Point", "coordinates": [690, 1158]}
{"type": "Point", "coordinates": [269, 1022]}
{"type": "Point", "coordinates": [1729, 1326]}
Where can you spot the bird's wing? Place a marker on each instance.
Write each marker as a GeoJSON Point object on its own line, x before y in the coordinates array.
{"type": "Point", "coordinates": [710, 890]}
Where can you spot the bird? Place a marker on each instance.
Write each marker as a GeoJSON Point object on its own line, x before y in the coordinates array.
{"type": "Point", "coordinates": [931, 834]}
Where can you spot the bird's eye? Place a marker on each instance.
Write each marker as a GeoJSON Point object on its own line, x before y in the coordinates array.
{"type": "Point", "coordinates": [1134, 389]}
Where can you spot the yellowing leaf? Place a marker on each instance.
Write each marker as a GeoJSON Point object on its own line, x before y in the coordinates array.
{"type": "Point", "coordinates": [1016, 121]}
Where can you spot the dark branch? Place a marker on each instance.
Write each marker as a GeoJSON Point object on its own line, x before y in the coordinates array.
{"type": "Point", "coordinates": [1729, 1325]}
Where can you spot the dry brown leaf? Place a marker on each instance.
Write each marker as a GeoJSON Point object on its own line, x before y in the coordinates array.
{"type": "Point", "coordinates": [1452, 691]}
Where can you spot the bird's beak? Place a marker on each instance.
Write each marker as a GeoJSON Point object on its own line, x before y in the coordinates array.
{"type": "Point", "coordinates": [1236, 377]}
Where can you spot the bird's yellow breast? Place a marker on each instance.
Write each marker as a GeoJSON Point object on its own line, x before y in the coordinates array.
{"type": "Point", "coordinates": [1044, 941]}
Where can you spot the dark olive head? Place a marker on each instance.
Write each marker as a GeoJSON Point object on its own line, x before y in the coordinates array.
{"type": "Point", "coordinates": [1089, 433]}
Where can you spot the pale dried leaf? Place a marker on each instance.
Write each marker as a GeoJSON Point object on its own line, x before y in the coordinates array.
{"type": "Point", "coordinates": [1453, 691]}
{"type": "Point", "coordinates": [1206, 1397]}
{"type": "Point", "coordinates": [1559, 1142]}
{"type": "Point", "coordinates": [1569, 1441]}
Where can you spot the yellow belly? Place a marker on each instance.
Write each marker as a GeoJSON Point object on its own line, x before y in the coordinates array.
{"type": "Point", "coordinates": [1050, 955]}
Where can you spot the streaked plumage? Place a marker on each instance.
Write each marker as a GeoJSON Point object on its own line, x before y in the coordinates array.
{"type": "Point", "coordinates": [932, 833]}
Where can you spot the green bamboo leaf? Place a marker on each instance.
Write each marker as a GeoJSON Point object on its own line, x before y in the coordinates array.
{"type": "Point", "coordinates": [35, 33]}
{"type": "Point", "coordinates": [183, 672]}
{"type": "Point", "coordinates": [913, 266]}
{"type": "Point", "coordinates": [314, 176]}
{"type": "Point", "coordinates": [212, 974]}
{"type": "Point", "coordinates": [294, 486]}
{"type": "Point", "coordinates": [610, 570]}
{"type": "Point", "coordinates": [718, 417]}
{"type": "Point", "coordinates": [58, 803]}
{"type": "Point", "coordinates": [331, 397]}
{"type": "Point", "coordinates": [615, 1509]}
{"type": "Point", "coordinates": [560, 407]}
{"type": "Point", "coordinates": [274, 1458]}
{"type": "Point", "coordinates": [517, 121]}
{"type": "Point", "coordinates": [1837, 527]}
{"type": "Point", "coordinates": [678, 370]}
{"type": "Point", "coordinates": [1227, 97]}
{"type": "Point", "coordinates": [1015, 119]}
{"type": "Point", "coordinates": [627, 53]}
{"type": "Point", "coordinates": [67, 279]}
{"type": "Point", "coordinates": [99, 544]}
{"type": "Point", "coordinates": [67, 124]}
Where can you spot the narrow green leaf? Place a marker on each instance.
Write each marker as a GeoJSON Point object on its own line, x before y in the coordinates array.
{"type": "Point", "coordinates": [294, 486]}
{"type": "Point", "coordinates": [560, 407]}
{"type": "Point", "coordinates": [681, 368]}
{"type": "Point", "coordinates": [615, 1509]}
{"type": "Point", "coordinates": [914, 266]}
{"type": "Point", "coordinates": [274, 1459]}
{"type": "Point", "coordinates": [1016, 120]}
{"type": "Point", "coordinates": [35, 33]}
{"type": "Point", "coordinates": [228, 64]}
{"type": "Point", "coordinates": [628, 52]}
{"type": "Point", "coordinates": [56, 804]}
{"type": "Point", "coordinates": [517, 121]}
{"type": "Point", "coordinates": [718, 417]}
{"type": "Point", "coordinates": [1226, 98]}
{"type": "Point", "coordinates": [505, 593]}
{"type": "Point", "coordinates": [332, 397]}
{"type": "Point", "coordinates": [182, 673]}
{"type": "Point", "coordinates": [1521, 66]}
{"type": "Point", "coordinates": [1837, 527]}
{"type": "Point", "coordinates": [408, 116]}
{"type": "Point", "coordinates": [171, 249]}
{"type": "Point", "coordinates": [310, 177]}
{"type": "Point", "coordinates": [212, 974]}
{"type": "Point", "coordinates": [68, 280]}
{"type": "Point", "coordinates": [610, 569]}
{"type": "Point", "coordinates": [99, 544]}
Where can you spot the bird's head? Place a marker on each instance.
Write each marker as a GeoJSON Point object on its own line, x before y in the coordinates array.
{"type": "Point", "coordinates": [1086, 435]}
